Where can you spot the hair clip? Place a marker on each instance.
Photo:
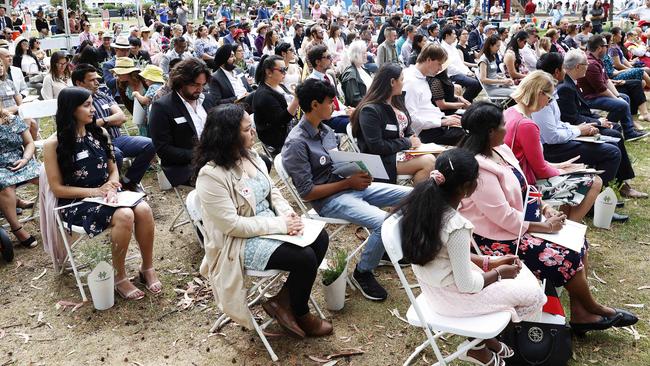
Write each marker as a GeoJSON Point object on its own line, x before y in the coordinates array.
{"type": "Point", "coordinates": [451, 165]}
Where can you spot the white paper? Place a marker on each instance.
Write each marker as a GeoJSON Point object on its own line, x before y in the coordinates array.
{"type": "Point", "coordinates": [138, 112]}
{"type": "Point", "coordinates": [372, 162]}
{"type": "Point", "coordinates": [124, 199]}
{"type": "Point", "coordinates": [585, 171]}
{"type": "Point", "coordinates": [589, 139]}
{"type": "Point", "coordinates": [430, 148]}
{"type": "Point", "coordinates": [572, 236]}
{"type": "Point", "coordinates": [309, 234]}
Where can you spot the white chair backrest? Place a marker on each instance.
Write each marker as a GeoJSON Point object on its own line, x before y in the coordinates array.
{"type": "Point", "coordinates": [38, 109]}
{"type": "Point", "coordinates": [193, 204]}
{"type": "Point", "coordinates": [286, 179]}
{"type": "Point", "coordinates": [351, 139]}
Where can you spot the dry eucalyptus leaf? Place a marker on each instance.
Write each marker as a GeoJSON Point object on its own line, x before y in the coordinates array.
{"type": "Point", "coordinates": [643, 288]}
{"type": "Point", "coordinates": [346, 352]}
{"type": "Point", "coordinates": [26, 337]}
{"type": "Point", "coordinates": [637, 306]}
{"type": "Point", "coordinates": [41, 275]}
{"type": "Point", "coordinates": [394, 312]}
{"type": "Point", "coordinates": [331, 363]}
{"type": "Point", "coordinates": [598, 278]}
{"type": "Point", "coordinates": [318, 359]}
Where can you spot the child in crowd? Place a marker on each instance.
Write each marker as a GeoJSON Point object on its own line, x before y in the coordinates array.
{"type": "Point", "coordinates": [154, 80]}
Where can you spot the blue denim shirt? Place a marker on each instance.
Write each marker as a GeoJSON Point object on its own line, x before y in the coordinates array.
{"type": "Point", "coordinates": [306, 159]}
{"type": "Point", "coordinates": [551, 128]}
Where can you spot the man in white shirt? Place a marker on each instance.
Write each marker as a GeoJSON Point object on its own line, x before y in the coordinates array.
{"type": "Point", "coordinates": [642, 13]}
{"type": "Point", "coordinates": [321, 60]}
{"type": "Point", "coordinates": [427, 121]}
{"type": "Point", "coordinates": [457, 71]}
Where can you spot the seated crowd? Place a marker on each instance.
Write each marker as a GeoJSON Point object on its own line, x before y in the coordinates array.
{"type": "Point", "coordinates": [302, 91]}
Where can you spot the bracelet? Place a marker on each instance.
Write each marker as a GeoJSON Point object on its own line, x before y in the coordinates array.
{"type": "Point", "coordinates": [498, 275]}
{"type": "Point", "coordinates": [544, 207]}
{"type": "Point", "coordinates": [486, 263]}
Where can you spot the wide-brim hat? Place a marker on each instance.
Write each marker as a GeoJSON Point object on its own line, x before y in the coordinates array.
{"type": "Point", "coordinates": [261, 26]}
{"type": "Point", "coordinates": [124, 65]}
{"type": "Point", "coordinates": [153, 73]}
{"type": "Point", "coordinates": [121, 42]}
{"type": "Point", "coordinates": [145, 29]}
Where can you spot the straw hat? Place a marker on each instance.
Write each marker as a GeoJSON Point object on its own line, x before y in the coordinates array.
{"type": "Point", "coordinates": [153, 73]}
{"type": "Point", "coordinates": [121, 42]}
{"type": "Point", "coordinates": [262, 26]}
{"type": "Point", "coordinates": [124, 65]}
{"type": "Point", "coordinates": [144, 28]}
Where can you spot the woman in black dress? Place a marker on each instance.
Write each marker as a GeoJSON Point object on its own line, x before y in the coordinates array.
{"type": "Point", "coordinates": [80, 163]}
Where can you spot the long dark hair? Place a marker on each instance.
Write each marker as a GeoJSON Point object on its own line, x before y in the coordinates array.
{"type": "Point", "coordinates": [221, 140]}
{"type": "Point", "coordinates": [416, 43]}
{"type": "Point", "coordinates": [54, 60]}
{"type": "Point", "coordinates": [621, 43]}
{"type": "Point", "coordinates": [66, 130]}
{"type": "Point", "coordinates": [18, 53]}
{"type": "Point", "coordinates": [491, 41]}
{"type": "Point", "coordinates": [266, 63]}
{"type": "Point", "coordinates": [514, 45]}
{"type": "Point", "coordinates": [477, 121]}
{"type": "Point", "coordinates": [380, 90]}
{"type": "Point", "coordinates": [424, 209]}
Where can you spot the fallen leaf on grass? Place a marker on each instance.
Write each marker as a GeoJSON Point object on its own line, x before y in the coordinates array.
{"type": "Point", "coordinates": [394, 312]}
{"type": "Point", "coordinates": [346, 352]}
{"type": "Point", "coordinates": [318, 359]}
{"type": "Point", "coordinates": [19, 264]}
{"type": "Point", "coordinates": [345, 339]}
{"type": "Point", "coordinates": [643, 288]}
{"type": "Point", "coordinates": [2, 333]}
{"type": "Point", "coordinates": [633, 332]}
{"type": "Point", "coordinates": [638, 306]}
{"type": "Point", "coordinates": [598, 278]}
{"type": "Point", "coordinates": [64, 304]}
{"type": "Point", "coordinates": [40, 275]}
{"type": "Point", "coordinates": [26, 337]}
{"type": "Point", "coordinates": [331, 363]}
{"type": "Point", "coordinates": [35, 287]}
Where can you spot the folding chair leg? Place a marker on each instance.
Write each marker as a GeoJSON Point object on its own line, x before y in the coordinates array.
{"type": "Point", "coordinates": [174, 225]}
{"type": "Point", "coordinates": [72, 263]}
{"type": "Point", "coordinates": [416, 352]}
{"type": "Point", "coordinates": [260, 333]}
{"type": "Point", "coordinates": [316, 307]}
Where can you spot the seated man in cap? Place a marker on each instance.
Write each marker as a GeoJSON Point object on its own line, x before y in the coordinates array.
{"type": "Point", "coordinates": [122, 48]}
{"type": "Point", "coordinates": [230, 38]}
{"type": "Point", "coordinates": [110, 116]}
{"type": "Point", "coordinates": [226, 86]}
{"type": "Point", "coordinates": [105, 52]}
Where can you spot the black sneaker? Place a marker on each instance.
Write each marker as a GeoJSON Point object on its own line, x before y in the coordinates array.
{"type": "Point", "coordinates": [385, 261]}
{"type": "Point", "coordinates": [6, 248]}
{"type": "Point", "coordinates": [368, 285]}
{"type": "Point", "coordinates": [636, 135]}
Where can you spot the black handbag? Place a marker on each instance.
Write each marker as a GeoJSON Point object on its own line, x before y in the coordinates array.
{"type": "Point", "coordinates": [538, 344]}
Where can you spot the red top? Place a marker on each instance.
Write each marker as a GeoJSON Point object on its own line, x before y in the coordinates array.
{"type": "Point", "coordinates": [530, 8]}
{"type": "Point", "coordinates": [527, 146]}
{"type": "Point", "coordinates": [595, 81]}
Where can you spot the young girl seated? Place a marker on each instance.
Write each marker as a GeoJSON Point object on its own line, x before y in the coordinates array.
{"type": "Point", "coordinates": [436, 239]}
{"type": "Point", "coordinates": [154, 80]}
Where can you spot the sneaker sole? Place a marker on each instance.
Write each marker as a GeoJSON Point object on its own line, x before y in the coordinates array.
{"type": "Point", "coordinates": [385, 263]}
{"type": "Point", "coordinates": [358, 286]}
{"type": "Point", "coordinates": [637, 138]}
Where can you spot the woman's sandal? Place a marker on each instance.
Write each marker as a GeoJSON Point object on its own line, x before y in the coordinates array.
{"type": "Point", "coordinates": [27, 243]}
{"type": "Point", "coordinates": [149, 287]}
{"type": "Point", "coordinates": [505, 351]}
{"type": "Point", "coordinates": [130, 295]}
{"type": "Point", "coordinates": [24, 204]}
{"type": "Point", "coordinates": [495, 360]}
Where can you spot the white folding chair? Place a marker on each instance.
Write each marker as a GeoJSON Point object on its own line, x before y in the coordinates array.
{"type": "Point", "coordinates": [38, 109]}
{"type": "Point", "coordinates": [193, 205]}
{"type": "Point", "coordinates": [402, 179]}
{"type": "Point", "coordinates": [263, 281]}
{"type": "Point", "coordinates": [493, 98]}
{"type": "Point", "coordinates": [421, 315]}
{"type": "Point", "coordinates": [175, 222]}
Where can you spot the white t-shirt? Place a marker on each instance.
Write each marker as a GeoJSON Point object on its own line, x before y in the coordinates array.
{"type": "Point", "coordinates": [236, 82]}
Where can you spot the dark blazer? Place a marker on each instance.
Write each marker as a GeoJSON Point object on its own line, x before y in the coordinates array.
{"type": "Point", "coordinates": [354, 88]}
{"type": "Point", "coordinates": [573, 106]}
{"type": "Point", "coordinates": [474, 40]}
{"type": "Point", "coordinates": [221, 89]}
{"type": "Point", "coordinates": [174, 136]}
{"type": "Point", "coordinates": [272, 119]}
{"type": "Point", "coordinates": [8, 23]}
{"type": "Point", "coordinates": [379, 135]}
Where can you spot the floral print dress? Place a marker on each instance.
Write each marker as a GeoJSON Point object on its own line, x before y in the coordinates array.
{"type": "Point", "coordinates": [545, 259]}
{"type": "Point", "coordinates": [11, 150]}
{"type": "Point", "coordinates": [90, 170]}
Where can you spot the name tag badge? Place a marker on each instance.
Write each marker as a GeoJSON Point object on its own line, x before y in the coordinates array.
{"type": "Point", "coordinates": [82, 155]}
{"type": "Point", "coordinates": [246, 192]}
{"type": "Point", "coordinates": [322, 160]}
{"type": "Point", "coordinates": [391, 127]}
{"type": "Point", "coordinates": [180, 120]}
{"type": "Point", "coordinates": [10, 92]}
{"type": "Point", "coordinates": [105, 106]}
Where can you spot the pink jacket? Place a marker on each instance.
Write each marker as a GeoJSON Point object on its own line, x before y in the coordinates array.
{"type": "Point", "coordinates": [522, 136]}
{"type": "Point", "coordinates": [496, 207]}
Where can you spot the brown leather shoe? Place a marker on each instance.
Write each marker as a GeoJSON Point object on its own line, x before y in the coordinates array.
{"type": "Point", "coordinates": [628, 192]}
{"type": "Point", "coordinates": [284, 317]}
{"type": "Point", "coordinates": [315, 326]}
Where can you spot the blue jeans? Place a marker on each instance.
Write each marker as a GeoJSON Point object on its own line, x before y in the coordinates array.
{"type": "Point", "coordinates": [363, 208]}
{"type": "Point", "coordinates": [618, 108]}
{"type": "Point", "coordinates": [138, 147]}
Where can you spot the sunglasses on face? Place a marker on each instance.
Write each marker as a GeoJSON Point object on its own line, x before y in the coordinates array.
{"type": "Point", "coordinates": [281, 69]}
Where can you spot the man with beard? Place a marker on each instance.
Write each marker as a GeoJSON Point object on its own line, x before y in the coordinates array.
{"type": "Point", "coordinates": [110, 116]}
{"type": "Point", "coordinates": [177, 119]}
{"type": "Point", "coordinates": [226, 86]}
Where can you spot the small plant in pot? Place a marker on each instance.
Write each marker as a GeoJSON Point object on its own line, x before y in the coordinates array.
{"type": "Point", "coordinates": [334, 280]}
{"type": "Point", "coordinates": [101, 280]}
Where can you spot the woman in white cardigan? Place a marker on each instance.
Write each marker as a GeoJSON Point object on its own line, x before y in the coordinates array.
{"type": "Point", "coordinates": [239, 204]}
{"type": "Point", "coordinates": [58, 78]}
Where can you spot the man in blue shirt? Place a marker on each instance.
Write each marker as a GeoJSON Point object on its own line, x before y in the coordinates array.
{"type": "Point", "coordinates": [306, 158]}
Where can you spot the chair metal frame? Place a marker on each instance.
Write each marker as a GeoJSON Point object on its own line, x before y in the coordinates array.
{"type": "Point", "coordinates": [420, 315]}
{"type": "Point", "coordinates": [493, 99]}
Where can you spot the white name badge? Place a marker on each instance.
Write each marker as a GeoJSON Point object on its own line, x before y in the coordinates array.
{"type": "Point", "coordinates": [10, 93]}
{"type": "Point", "coordinates": [82, 155]}
{"type": "Point", "coordinates": [105, 106]}
{"type": "Point", "coordinates": [180, 120]}
{"type": "Point", "coordinates": [391, 127]}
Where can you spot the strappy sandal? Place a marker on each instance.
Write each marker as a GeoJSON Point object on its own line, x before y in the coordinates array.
{"type": "Point", "coordinates": [150, 286]}
{"type": "Point", "coordinates": [30, 242]}
{"type": "Point", "coordinates": [505, 351]}
{"type": "Point", "coordinates": [130, 295]}
{"type": "Point", "coordinates": [25, 204]}
{"type": "Point", "coordinates": [494, 361]}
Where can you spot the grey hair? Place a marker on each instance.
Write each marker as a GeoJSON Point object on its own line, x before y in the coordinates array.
{"type": "Point", "coordinates": [574, 57]}
{"type": "Point", "coordinates": [356, 49]}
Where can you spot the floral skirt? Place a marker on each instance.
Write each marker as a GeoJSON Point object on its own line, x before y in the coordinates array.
{"type": "Point", "coordinates": [93, 217]}
{"type": "Point", "coordinates": [545, 259]}
{"type": "Point", "coordinates": [635, 73]}
{"type": "Point", "coordinates": [565, 189]}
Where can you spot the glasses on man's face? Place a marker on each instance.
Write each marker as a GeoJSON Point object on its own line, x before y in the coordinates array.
{"type": "Point", "coordinates": [281, 69]}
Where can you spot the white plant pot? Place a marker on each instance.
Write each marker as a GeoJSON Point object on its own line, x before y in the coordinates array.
{"type": "Point", "coordinates": [163, 182]}
{"type": "Point", "coordinates": [101, 285]}
{"type": "Point", "coordinates": [604, 208]}
{"type": "Point", "coordinates": [335, 293]}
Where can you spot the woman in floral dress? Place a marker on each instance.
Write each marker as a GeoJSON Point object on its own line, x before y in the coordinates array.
{"type": "Point", "coordinates": [80, 163]}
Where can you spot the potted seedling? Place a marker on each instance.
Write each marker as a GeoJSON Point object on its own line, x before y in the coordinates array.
{"type": "Point", "coordinates": [334, 278]}
{"type": "Point", "coordinates": [101, 280]}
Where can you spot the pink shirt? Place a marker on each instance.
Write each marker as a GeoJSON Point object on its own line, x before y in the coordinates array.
{"type": "Point", "coordinates": [496, 207]}
{"type": "Point", "coordinates": [522, 136]}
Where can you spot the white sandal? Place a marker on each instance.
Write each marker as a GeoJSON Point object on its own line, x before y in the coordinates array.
{"type": "Point", "coordinates": [128, 296]}
{"type": "Point", "coordinates": [494, 361]}
{"type": "Point", "coordinates": [505, 351]}
{"type": "Point", "coordinates": [150, 286]}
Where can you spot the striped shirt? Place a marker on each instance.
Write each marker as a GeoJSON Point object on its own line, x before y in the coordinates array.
{"type": "Point", "coordinates": [102, 102]}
